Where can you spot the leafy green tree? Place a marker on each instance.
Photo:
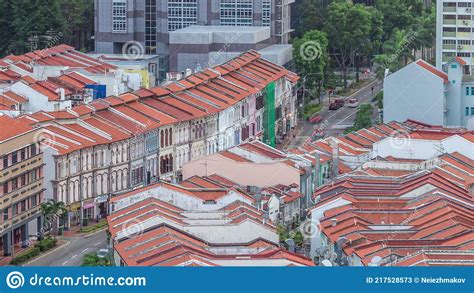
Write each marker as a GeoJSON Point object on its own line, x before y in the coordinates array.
{"type": "Point", "coordinates": [52, 211]}
{"type": "Point", "coordinates": [398, 14]}
{"type": "Point", "coordinates": [309, 15]}
{"type": "Point", "coordinates": [79, 18]}
{"type": "Point", "coordinates": [350, 28]}
{"type": "Point", "coordinates": [6, 24]}
{"type": "Point", "coordinates": [92, 260]}
{"type": "Point", "coordinates": [27, 25]}
{"type": "Point", "coordinates": [311, 59]}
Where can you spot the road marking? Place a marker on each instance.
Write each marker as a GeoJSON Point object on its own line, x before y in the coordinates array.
{"type": "Point", "coordinates": [65, 262]}
{"type": "Point", "coordinates": [74, 256]}
{"type": "Point", "coordinates": [84, 250]}
{"type": "Point", "coordinates": [97, 244]}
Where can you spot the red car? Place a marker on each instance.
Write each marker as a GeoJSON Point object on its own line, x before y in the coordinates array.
{"type": "Point", "coordinates": [336, 104]}
{"type": "Point", "coordinates": [315, 119]}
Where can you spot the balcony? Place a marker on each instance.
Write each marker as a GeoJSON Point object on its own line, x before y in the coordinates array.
{"type": "Point", "coordinates": [21, 167]}
{"type": "Point", "coordinates": [18, 219]}
{"type": "Point", "coordinates": [449, 21]}
{"type": "Point", "coordinates": [449, 9]}
{"type": "Point", "coordinates": [22, 193]}
{"type": "Point", "coordinates": [449, 34]}
{"type": "Point", "coordinates": [449, 47]}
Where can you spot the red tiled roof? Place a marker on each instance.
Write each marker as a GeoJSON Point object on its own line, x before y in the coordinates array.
{"type": "Point", "coordinates": [12, 127]}
{"type": "Point", "coordinates": [432, 69]}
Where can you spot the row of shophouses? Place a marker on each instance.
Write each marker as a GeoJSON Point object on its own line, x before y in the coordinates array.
{"type": "Point", "coordinates": [96, 151]}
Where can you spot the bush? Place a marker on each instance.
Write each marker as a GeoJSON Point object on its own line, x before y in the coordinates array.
{"type": "Point", "coordinates": [46, 244]}
{"type": "Point", "coordinates": [25, 256]}
{"type": "Point", "coordinates": [94, 228]}
{"type": "Point", "coordinates": [310, 110]}
{"type": "Point", "coordinates": [363, 118]}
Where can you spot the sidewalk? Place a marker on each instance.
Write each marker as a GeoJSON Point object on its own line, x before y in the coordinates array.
{"type": "Point", "coordinates": [73, 231]}
{"type": "Point", "coordinates": [5, 260]}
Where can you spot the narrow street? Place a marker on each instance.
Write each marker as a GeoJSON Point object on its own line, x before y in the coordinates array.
{"type": "Point", "coordinates": [72, 254]}
{"type": "Point", "coordinates": [335, 122]}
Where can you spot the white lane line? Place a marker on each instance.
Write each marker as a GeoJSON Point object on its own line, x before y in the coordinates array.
{"type": "Point", "coordinates": [74, 256]}
{"type": "Point", "coordinates": [65, 262]}
{"type": "Point", "coordinates": [84, 250]}
{"type": "Point", "coordinates": [97, 244]}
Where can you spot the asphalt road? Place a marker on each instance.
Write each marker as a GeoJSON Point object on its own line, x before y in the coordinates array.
{"type": "Point", "coordinates": [335, 122]}
{"type": "Point", "coordinates": [72, 254]}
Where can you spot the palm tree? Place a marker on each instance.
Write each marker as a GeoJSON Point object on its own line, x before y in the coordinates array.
{"type": "Point", "coordinates": [52, 212]}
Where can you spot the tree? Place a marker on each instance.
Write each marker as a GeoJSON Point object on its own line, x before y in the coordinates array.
{"type": "Point", "coordinates": [79, 17]}
{"type": "Point", "coordinates": [311, 59]}
{"type": "Point", "coordinates": [52, 212]}
{"type": "Point", "coordinates": [398, 15]}
{"type": "Point", "coordinates": [350, 28]}
{"type": "Point", "coordinates": [6, 24]}
{"type": "Point", "coordinates": [27, 25]}
{"type": "Point", "coordinates": [92, 260]}
{"type": "Point", "coordinates": [308, 15]}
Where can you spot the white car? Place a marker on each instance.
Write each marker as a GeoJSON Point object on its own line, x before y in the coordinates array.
{"type": "Point", "coordinates": [103, 253]}
{"type": "Point", "coordinates": [353, 103]}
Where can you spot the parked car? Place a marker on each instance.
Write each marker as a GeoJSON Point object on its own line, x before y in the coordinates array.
{"type": "Point", "coordinates": [353, 103]}
{"type": "Point", "coordinates": [103, 253]}
{"type": "Point", "coordinates": [336, 104]}
{"type": "Point", "coordinates": [315, 119]}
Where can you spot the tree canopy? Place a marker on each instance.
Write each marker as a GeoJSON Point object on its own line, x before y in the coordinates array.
{"type": "Point", "coordinates": [27, 25]}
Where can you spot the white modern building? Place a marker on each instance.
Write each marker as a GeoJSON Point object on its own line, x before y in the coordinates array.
{"type": "Point", "coordinates": [454, 35]}
{"type": "Point", "coordinates": [424, 93]}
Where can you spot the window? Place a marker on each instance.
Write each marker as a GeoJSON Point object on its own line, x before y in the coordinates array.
{"type": "Point", "coordinates": [467, 91]}
{"type": "Point", "coordinates": [119, 16]}
{"type": "Point", "coordinates": [454, 66]}
{"type": "Point", "coordinates": [266, 12]}
{"type": "Point", "coordinates": [466, 111]}
{"type": "Point", "coordinates": [236, 12]}
{"type": "Point", "coordinates": [181, 14]}
{"type": "Point", "coordinates": [472, 111]}
{"type": "Point", "coordinates": [33, 150]}
{"type": "Point", "coordinates": [14, 183]}
{"type": "Point", "coordinates": [22, 154]}
{"type": "Point", "coordinates": [150, 26]}
{"type": "Point", "coordinates": [472, 90]}
{"type": "Point", "coordinates": [5, 162]}
{"type": "Point", "coordinates": [14, 157]}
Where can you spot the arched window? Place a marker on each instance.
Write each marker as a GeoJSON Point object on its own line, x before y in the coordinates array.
{"type": "Point", "coordinates": [171, 136]}
{"type": "Point", "coordinates": [166, 137]}
{"type": "Point", "coordinates": [162, 138]}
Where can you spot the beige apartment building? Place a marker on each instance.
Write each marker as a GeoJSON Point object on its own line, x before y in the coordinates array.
{"type": "Point", "coordinates": [21, 182]}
